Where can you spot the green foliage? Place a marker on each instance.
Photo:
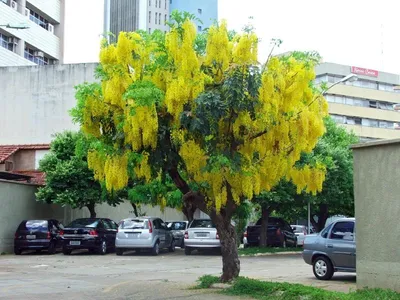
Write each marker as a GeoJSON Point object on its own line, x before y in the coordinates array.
{"type": "Point", "coordinates": [258, 289]}
{"type": "Point", "coordinates": [253, 251]}
{"type": "Point", "coordinates": [68, 178]}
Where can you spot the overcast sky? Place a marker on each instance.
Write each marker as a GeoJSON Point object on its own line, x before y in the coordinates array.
{"type": "Point", "coordinates": [354, 32]}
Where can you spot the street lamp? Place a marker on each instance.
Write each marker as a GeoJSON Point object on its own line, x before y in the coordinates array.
{"type": "Point", "coordinates": [16, 26]}
{"type": "Point", "coordinates": [350, 78]}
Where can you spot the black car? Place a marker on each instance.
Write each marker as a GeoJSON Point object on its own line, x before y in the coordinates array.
{"type": "Point", "coordinates": [93, 234]}
{"type": "Point", "coordinates": [279, 233]}
{"type": "Point", "coordinates": [38, 235]}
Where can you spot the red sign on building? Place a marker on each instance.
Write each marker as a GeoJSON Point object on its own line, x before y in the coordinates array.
{"type": "Point", "coordinates": [365, 72]}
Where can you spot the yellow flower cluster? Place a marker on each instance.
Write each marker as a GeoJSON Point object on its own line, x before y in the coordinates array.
{"type": "Point", "coordinates": [141, 128]}
{"type": "Point", "coordinates": [142, 170]}
{"type": "Point", "coordinates": [218, 50]}
{"type": "Point", "coordinates": [308, 179]}
{"type": "Point", "coordinates": [116, 172]}
{"type": "Point", "coordinates": [187, 81]}
{"type": "Point", "coordinates": [96, 163]}
{"type": "Point", "coordinates": [245, 50]}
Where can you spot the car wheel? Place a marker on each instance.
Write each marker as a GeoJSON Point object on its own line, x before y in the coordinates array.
{"type": "Point", "coordinates": [172, 246]}
{"type": "Point", "coordinates": [188, 251]}
{"type": "Point", "coordinates": [322, 268]}
{"type": "Point", "coordinates": [103, 248]}
{"type": "Point", "coordinates": [17, 251]}
{"type": "Point", "coordinates": [52, 248]}
{"type": "Point", "coordinates": [119, 251]}
{"type": "Point", "coordinates": [156, 249]}
{"type": "Point", "coordinates": [67, 251]}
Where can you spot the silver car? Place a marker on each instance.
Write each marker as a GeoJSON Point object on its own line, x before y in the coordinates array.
{"type": "Point", "coordinates": [201, 234]}
{"type": "Point", "coordinates": [143, 233]}
{"type": "Point", "coordinates": [178, 229]}
{"type": "Point", "coordinates": [332, 250]}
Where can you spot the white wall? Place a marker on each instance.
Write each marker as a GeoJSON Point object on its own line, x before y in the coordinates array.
{"type": "Point", "coordinates": [35, 101]}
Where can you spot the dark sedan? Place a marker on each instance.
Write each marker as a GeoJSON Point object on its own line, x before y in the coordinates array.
{"type": "Point", "coordinates": [38, 235]}
{"type": "Point", "coordinates": [94, 234]}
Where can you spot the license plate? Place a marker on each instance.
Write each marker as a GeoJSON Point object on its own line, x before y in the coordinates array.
{"type": "Point", "coordinates": [202, 234]}
{"type": "Point", "coordinates": [31, 237]}
{"type": "Point", "coordinates": [74, 243]}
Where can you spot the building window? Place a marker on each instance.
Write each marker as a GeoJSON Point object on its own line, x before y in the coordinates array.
{"type": "Point", "coordinates": [149, 30]}
{"type": "Point", "coordinates": [199, 28]}
{"type": "Point", "coordinates": [149, 16]}
{"type": "Point", "coordinates": [31, 55]}
{"type": "Point", "coordinates": [156, 14]}
{"type": "Point", "coordinates": [38, 19]}
{"type": "Point", "coordinates": [159, 3]}
{"type": "Point", "coordinates": [4, 42]}
{"type": "Point", "coordinates": [5, 1]}
{"type": "Point", "coordinates": [165, 4]}
{"type": "Point", "coordinates": [165, 19]}
{"type": "Point", "coordinates": [149, 2]}
{"type": "Point", "coordinates": [200, 11]}
{"type": "Point", "coordinates": [159, 18]}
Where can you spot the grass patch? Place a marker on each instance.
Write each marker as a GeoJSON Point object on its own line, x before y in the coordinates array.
{"type": "Point", "coordinates": [257, 250]}
{"type": "Point", "coordinates": [287, 291]}
{"type": "Point", "coordinates": [206, 281]}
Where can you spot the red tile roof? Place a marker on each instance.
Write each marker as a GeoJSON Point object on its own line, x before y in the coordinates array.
{"type": "Point", "coordinates": [7, 150]}
{"type": "Point", "coordinates": [37, 176]}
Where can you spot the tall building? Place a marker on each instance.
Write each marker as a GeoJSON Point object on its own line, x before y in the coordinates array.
{"type": "Point", "coordinates": [132, 15]}
{"type": "Point", "coordinates": [205, 10]}
{"type": "Point", "coordinates": [365, 105]}
{"type": "Point", "coordinates": [41, 42]}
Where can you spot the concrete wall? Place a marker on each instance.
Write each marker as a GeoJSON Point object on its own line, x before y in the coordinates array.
{"type": "Point", "coordinates": [377, 208]}
{"type": "Point", "coordinates": [35, 101]}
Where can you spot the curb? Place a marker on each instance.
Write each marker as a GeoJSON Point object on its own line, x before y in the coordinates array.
{"type": "Point", "coordinates": [271, 254]}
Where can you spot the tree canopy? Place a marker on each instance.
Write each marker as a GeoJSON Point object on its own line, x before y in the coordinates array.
{"type": "Point", "coordinates": [69, 181]}
{"type": "Point", "coordinates": [218, 124]}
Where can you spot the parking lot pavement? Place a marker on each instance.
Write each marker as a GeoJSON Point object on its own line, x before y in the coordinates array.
{"type": "Point", "coordinates": [141, 276]}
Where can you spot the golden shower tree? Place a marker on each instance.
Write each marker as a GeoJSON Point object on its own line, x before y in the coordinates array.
{"type": "Point", "coordinates": [212, 121]}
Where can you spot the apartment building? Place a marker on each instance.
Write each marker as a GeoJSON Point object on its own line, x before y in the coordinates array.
{"type": "Point", "coordinates": [206, 11]}
{"type": "Point", "coordinates": [30, 32]}
{"type": "Point", "coordinates": [132, 15]}
{"type": "Point", "coordinates": [364, 105]}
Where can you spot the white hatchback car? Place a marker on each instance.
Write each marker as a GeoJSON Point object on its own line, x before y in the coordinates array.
{"type": "Point", "coordinates": [300, 231]}
{"type": "Point", "coordinates": [201, 234]}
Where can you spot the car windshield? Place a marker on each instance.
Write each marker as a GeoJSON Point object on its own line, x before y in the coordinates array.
{"type": "Point", "coordinates": [202, 224]}
{"type": "Point", "coordinates": [177, 225]}
{"type": "Point", "coordinates": [82, 223]}
{"type": "Point", "coordinates": [36, 225]}
{"type": "Point", "coordinates": [134, 224]}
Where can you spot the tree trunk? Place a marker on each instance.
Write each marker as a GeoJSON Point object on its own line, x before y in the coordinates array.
{"type": "Point", "coordinates": [322, 215]}
{"type": "Point", "coordinates": [135, 209]}
{"type": "Point", "coordinates": [265, 212]}
{"type": "Point", "coordinates": [91, 209]}
{"type": "Point", "coordinates": [230, 258]}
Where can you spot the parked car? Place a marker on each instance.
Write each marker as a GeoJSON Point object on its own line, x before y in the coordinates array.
{"type": "Point", "coordinates": [178, 229]}
{"type": "Point", "coordinates": [201, 234]}
{"type": "Point", "coordinates": [93, 234]}
{"type": "Point", "coordinates": [279, 234]}
{"type": "Point", "coordinates": [38, 235]}
{"type": "Point", "coordinates": [143, 233]}
{"type": "Point", "coordinates": [300, 231]}
{"type": "Point", "coordinates": [332, 250]}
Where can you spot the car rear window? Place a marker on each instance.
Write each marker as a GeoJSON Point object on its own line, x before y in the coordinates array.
{"type": "Point", "coordinates": [202, 224]}
{"type": "Point", "coordinates": [82, 223]}
{"type": "Point", "coordinates": [177, 225]}
{"type": "Point", "coordinates": [297, 229]}
{"type": "Point", "coordinates": [36, 225]}
{"type": "Point", "coordinates": [134, 224]}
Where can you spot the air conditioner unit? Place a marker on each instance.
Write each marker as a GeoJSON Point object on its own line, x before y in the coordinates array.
{"type": "Point", "coordinates": [14, 5]}
{"type": "Point", "coordinates": [13, 40]}
{"type": "Point", "coordinates": [50, 28]}
{"type": "Point", "coordinates": [38, 54]}
{"type": "Point", "coordinates": [396, 106]}
{"type": "Point", "coordinates": [396, 126]}
{"type": "Point", "coordinates": [27, 12]}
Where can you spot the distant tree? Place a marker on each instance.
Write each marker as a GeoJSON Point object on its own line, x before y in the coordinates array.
{"type": "Point", "coordinates": [69, 181]}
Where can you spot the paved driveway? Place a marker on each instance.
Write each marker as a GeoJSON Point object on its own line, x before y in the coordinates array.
{"type": "Point", "coordinates": [140, 276]}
